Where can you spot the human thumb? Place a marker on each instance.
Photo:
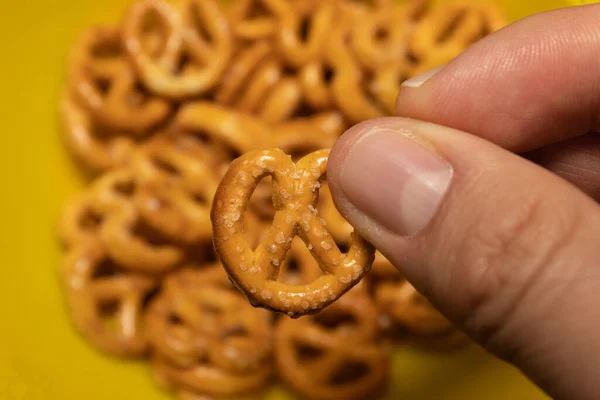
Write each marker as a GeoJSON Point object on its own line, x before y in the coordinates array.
{"type": "Point", "coordinates": [506, 250]}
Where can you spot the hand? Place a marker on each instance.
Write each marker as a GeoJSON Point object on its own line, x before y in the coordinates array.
{"type": "Point", "coordinates": [507, 246]}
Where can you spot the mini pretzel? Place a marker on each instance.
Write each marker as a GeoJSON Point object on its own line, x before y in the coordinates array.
{"type": "Point", "coordinates": [98, 149]}
{"type": "Point", "coordinates": [206, 339]}
{"type": "Point", "coordinates": [200, 317]}
{"type": "Point", "coordinates": [380, 37]}
{"type": "Point", "coordinates": [347, 85]}
{"type": "Point", "coordinates": [293, 47]}
{"type": "Point", "coordinates": [433, 43]}
{"type": "Point", "coordinates": [295, 194]}
{"type": "Point", "coordinates": [105, 302]}
{"type": "Point", "coordinates": [176, 202]}
{"type": "Point", "coordinates": [207, 383]}
{"type": "Point", "coordinates": [255, 83]}
{"type": "Point", "coordinates": [221, 127]}
{"type": "Point", "coordinates": [401, 302]}
{"type": "Point", "coordinates": [83, 216]}
{"type": "Point", "coordinates": [313, 354]}
{"type": "Point", "coordinates": [203, 59]}
{"type": "Point", "coordinates": [106, 86]}
{"type": "Point", "coordinates": [252, 19]}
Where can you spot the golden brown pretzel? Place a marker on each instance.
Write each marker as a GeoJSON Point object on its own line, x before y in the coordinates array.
{"type": "Point", "coordinates": [333, 354]}
{"type": "Point", "coordinates": [183, 42]}
{"type": "Point", "coordinates": [84, 215]}
{"type": "Point", "coordinates": [348, 83]}
{"type": "Point", "coordinates": [200, 318]}
{"type": "Point", "coordinates": [445, 31]}
{"type": "Point", "coordinates": [96, 148]}
{"type": "Point", "coordinates": [295, 194]}
{"type": "Point", "coordinates": [208, 382]}
{"type": "Point", "coordinates": [206, 338]}
{"type": "Point", "coordinates": [379, 38]}
{"type": "Point", "coordinates": [105, 301]}
{"type": "Point", "coordinates": [175, 190]}
{"type": "Point", "coordinates": [252, 19]}
{"type": "Point", "coordinates": [403, 304]}
{"type": "Point", "coordinates": [221, 127]}
{"type": "Point", "coordinates": [104, 83]}
{"type": "Point", "coordinates": [256, 83]}
{"type": "Point", "coordinates": [303, 29]}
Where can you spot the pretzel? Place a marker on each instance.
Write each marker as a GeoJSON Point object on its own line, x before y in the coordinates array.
{"type": "Point", "coordinates": [338, 227]}
{"type": "Point", "coordinates": [347, 86]}
{"type": "Point", "coordinates": [252, 19]}
{"type": "Point", "coordinates": [315, 355]}
{"type": "Point", "coordinates": [449, 29]}
{"type": "Point", "coordinates": [189, 61]}
{"type": "Point", "coordinates": [304, 26]}
{"type": "Point", "coordinates": [98, 149]}
{"type": "Point", "coordinates": [225, 129]}
{"type": "Point", "coordinates": [401, 302]}
{"type": "Point", "coordinates": [181, 212]}
{"type": "Point", "coordinates": [255, 83]}
{"type": "Point", "coordinates": [104, 83]}
{"type": "Point", "coordinates": [202, 381]}
{"type": "Point", "coordinates": [295, 188]}
{"type": "Point", "coordinates": [201, 327]}
{"type": "Point", "coordinates": [84, 215]}
{"type": "Point", "coordinates": [200, 316]}
{"type": "Point", "coordinates": [379, 39]}
{"type": "Point", "coordinates": [106, 303]}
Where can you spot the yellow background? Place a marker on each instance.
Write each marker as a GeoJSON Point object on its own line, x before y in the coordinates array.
{"type": "Point", "coordinates": [41, 357]}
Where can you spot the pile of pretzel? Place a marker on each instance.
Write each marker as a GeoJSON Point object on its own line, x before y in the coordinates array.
{"type": "Point", "coordinates": [155, 110]}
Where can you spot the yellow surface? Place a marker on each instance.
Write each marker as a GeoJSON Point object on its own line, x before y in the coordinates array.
{"type": "Point", "coordinates": [41, 357]}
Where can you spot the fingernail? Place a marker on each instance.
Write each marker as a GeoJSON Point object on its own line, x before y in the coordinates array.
{"type": "Point", "coordinates": [419, 80]}
{"type": "Point", "coordinates": [395, 180]}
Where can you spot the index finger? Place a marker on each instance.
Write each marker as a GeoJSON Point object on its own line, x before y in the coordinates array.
{"type": "Point", "coordinates": [533, 83]}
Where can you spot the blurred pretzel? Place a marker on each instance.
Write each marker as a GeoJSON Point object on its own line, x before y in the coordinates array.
{"type": "Point", "coordinates": [255, 83]}
{"type": "Point", "coordinates": [295, 193]}
{"type": "Point", "coordinates": [347, 86]}
{"type": "Point", "coordinates": [223, 128]}
{"type": "Point", "coordinates": [333, 354]}
{"type": "Point", "coordinates": [98, 149]}
{"type": "Point", "coordinates": [447, 30]}
{"type": "Point", "coordinates": [299, 267]}
{"type": "Point", "coordinates": [252, 19]}
{"type": "Point", "coordinates": [104, 83]}
{"type": "Point", "coordinates": [200, 318]}
{"type": "Point", "coordinates": [196, 45]}
{"type": "Point", "coordinates": [175, 191]}
{"type": "Point", "coordinates": [379, 38]}
{"type": "Point", "coordinates": [84, 215]}
{"type": "Point", "coordinates": [106, 302]}
{"type": "Point", "coordinates": [401, 302]}
{"type": "Point", "coordinates": [208, 383]}
{"type": "Point", "coordinates": [304, 27]}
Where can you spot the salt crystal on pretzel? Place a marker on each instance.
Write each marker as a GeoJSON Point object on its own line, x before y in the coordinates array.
{"type": "Point", "coordinates": [255, 272]}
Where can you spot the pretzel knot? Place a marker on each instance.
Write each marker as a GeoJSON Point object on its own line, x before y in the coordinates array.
{"type": "Point", "coordinates": [195, 49]}
{"type": "Point", "coordinates": [295, 194]}
{"type": "Point", "coordinates": [334, 354]}
{"type": "Point", "coordinates": [205, 336]}
{"type": "Point", "coordinates": [105, 84]}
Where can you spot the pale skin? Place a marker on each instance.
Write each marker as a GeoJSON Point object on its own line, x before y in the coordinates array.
{"type": "Point", "coordinates": [490, 208]}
